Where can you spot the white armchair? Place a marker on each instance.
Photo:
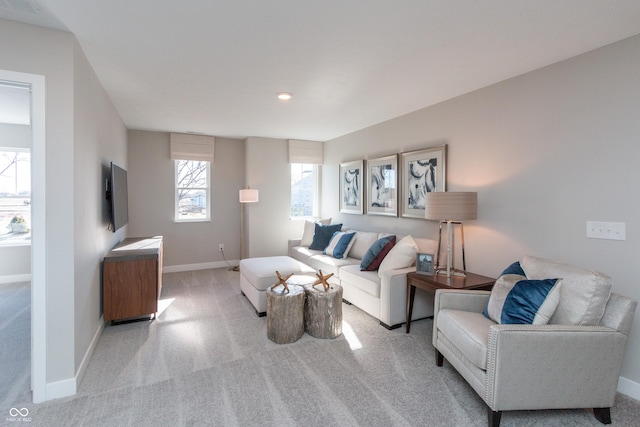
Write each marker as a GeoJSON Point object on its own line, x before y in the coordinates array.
{"type": "Point", "coordinates": [525, 367]}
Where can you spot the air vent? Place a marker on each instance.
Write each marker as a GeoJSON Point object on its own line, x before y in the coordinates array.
{"type": "Point", "coordinates": [21, 6]}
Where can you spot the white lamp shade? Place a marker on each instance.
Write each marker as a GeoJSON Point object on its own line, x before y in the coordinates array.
{"type": "Point", "coordinates": [248, 195]}
{"type": "Point", "coordinates": [451, 206]}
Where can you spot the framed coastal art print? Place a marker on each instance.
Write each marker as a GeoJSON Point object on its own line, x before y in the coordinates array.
{"type": "Point", "coordinates": [351, 189]}
{"type": "Point", "coordinates": [423, 171]}
{"type": "Point", "coordinates": [382, 186]}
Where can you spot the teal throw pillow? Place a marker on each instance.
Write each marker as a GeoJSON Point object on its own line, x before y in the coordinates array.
{"type": "Point", "coordinates": [322, 236]}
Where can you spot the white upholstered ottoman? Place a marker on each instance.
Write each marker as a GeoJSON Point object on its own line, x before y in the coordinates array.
{"type": "Point", "coordinates": [258, 274]}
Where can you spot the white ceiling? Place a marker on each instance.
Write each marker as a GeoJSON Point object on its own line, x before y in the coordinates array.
{"type": "Point", "coordinates": [215, 66]}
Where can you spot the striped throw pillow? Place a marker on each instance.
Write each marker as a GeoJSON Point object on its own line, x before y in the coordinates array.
{"type": "Point", "coordinates": [340, 244]}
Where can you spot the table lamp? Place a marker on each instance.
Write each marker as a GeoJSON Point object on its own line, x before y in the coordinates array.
{"type": "Point", "coordinates": [451, 208]}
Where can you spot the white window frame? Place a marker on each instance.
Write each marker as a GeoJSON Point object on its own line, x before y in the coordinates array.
{"type": "Point", "coordinates": [26, 239]}
{"type": "Point", "coordinates": [316, 192]}
{"type": "Point", "coordinates": [207, 190]}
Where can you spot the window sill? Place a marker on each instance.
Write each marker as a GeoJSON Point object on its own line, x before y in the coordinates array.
{"type": "Point", "coordinates": [187, 221]}
{"type": "Point", "coordinates": [14, 243]}
{"type": "Point", "coordinates": [304, 218]}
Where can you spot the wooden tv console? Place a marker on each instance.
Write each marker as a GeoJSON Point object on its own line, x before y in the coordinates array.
{"type": "Point", "coordinates": [132, 279]}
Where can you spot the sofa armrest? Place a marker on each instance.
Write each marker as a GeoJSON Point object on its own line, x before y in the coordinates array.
{"type": "Point", "coordinates": [559, 366]}
{"type": "Point", "coordinates": [463, 300]}
{"type": "Point", "coordinates": [457, 299]}
{"type": "Point", "coordinates": [393, 296]}
{"type": "Point", "coordinates": [292, 243]}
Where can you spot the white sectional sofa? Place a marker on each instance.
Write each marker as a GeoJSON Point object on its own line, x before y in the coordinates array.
{"type": "Point", "coordinates": [381, 295]}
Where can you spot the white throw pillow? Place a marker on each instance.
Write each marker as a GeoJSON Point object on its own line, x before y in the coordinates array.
{"type": "Point", "coordinates": [309, 230]}
{"type": "Point", "coordinates": [583, 294]}
{"type": "Point", "coordinates": [402, 255]}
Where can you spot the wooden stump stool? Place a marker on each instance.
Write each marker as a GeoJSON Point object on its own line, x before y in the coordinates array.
{"type": "Point", "coordinates": [323, 311]}
{"type": "Point", "coordinates": [285, 314]}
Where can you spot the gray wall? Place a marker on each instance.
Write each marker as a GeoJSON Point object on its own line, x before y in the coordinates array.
{"type": "Point", "coordinates": [546, 152]}
{"type": "Point", "coordinates": [260, 163]}
{"type": "Point", "coordinates": [151, 201]}
{"type": "Point", "coordinates": [99, 138]}
{"type": "Point", "coordinates": [269, 226]}
{"type": "Point", "coordinates": [77, 113]}
{"type": "Point", "coordinates": [14, 261]}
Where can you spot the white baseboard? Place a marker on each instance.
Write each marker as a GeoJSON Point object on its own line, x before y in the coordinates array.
{"type": "Point", "coordinates": [201, 266]}
{"type": "Point", "coordinates": [15, 278]}
{"type": "Point", "coordinates": [87, 355]}
{"type": "Point", "coordinates": [629, 388]}
{"type": "Point", "coordinates": [69, 387]}
{"type": "Point", "coordinates": [60, 389]}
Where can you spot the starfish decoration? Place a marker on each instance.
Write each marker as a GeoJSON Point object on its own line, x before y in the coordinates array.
{"type": "Point", "coordinates": [282, 281]}
{"type": "Point", "coordinates": [322, 279]}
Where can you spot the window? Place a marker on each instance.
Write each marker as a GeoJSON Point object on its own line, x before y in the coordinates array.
{"type": "Point", "coordinates": [304, 190]}
{"type": "Point", "coordinates": [15, 196]}
{"type": "Point", "coordinates": [192, 190]}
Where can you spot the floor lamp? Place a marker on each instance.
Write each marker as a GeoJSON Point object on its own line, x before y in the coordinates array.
{"type": "Point", "coordinates": [246, 195]}
{"type": "Point", "coordinates": [451, 208]}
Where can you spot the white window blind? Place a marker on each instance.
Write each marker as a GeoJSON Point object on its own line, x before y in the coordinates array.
{"type": "Point", "coordinates": [310, 152]}
{"type": "Point", "coordinates": [186, 146]}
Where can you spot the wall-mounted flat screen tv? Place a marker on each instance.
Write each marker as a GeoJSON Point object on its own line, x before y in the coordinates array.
{"type": "Point", "coordinates": [118, 197]}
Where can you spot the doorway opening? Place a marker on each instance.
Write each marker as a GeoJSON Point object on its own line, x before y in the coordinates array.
{"type": "Point", "coordinates": [33, 89]}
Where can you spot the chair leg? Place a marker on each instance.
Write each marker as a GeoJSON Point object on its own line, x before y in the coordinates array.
{"type": "Point", "coordinates": [494, 417]}
{"type": "Point", "coordinates": [439, 358]}
{"type": "Point", "coordinates": [603, 415]}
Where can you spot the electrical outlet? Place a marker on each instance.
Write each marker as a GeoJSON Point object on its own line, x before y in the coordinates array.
{"type": "Point", "coordinates": [606, 230]}
{"type": "Point", "coordinates": [221, 247]}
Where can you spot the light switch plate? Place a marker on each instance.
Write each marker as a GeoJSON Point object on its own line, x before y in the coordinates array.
{"type": "Point", "coordinates": [606, 230]}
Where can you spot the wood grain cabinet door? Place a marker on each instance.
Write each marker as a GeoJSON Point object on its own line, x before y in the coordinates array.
{"type": "Point", "coordinates": [130, 288]}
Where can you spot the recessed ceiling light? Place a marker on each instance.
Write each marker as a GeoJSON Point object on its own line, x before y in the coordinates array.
{"type": "Point", "coordinates": [284, 96]}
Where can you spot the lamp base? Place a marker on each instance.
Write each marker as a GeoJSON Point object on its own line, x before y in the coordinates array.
{"type": "Point", "coordinates": [449, 269]}
{"type": "Point", "coordinates": [456, 273]}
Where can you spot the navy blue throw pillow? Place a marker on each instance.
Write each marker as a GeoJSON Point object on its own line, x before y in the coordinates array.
{"type": "Point", "coordinates": [322, 236]}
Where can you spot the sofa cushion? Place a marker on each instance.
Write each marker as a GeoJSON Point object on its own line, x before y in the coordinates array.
{"type": "Point", "coordinates": [377, 252]}
{"type": "Point", "coordinates": [304, 254]}
{"type": "Point", "coordinates": [310, 229]}
{"type": "Point", "coordinates": [367, 281]}
{"type": "Point", "coordinates": [517, 300]}
{"type": "Point", "coordinates": [402, 255]}
{"type": "Point", "coordinates": [363, 240]}
{"type": "Point", "coordinates": [322, 235]}
{"type": "Point", "coordinates": [468, 332]}
{"type": "Point", "coordinates": [329, 264]}
{"type": "Point", "coordinates": [340, 244]}
{"type": "Point", "coordinates": [583, 294]}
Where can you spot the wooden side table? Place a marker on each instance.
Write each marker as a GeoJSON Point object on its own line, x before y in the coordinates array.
{"type": "Point", "coordinates": [438, 281]}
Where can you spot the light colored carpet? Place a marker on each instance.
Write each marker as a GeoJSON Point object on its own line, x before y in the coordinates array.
{"type": "Point", "coordinates": [15, 345]}
{"type": "Point", "coordinates": [206, 360]}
